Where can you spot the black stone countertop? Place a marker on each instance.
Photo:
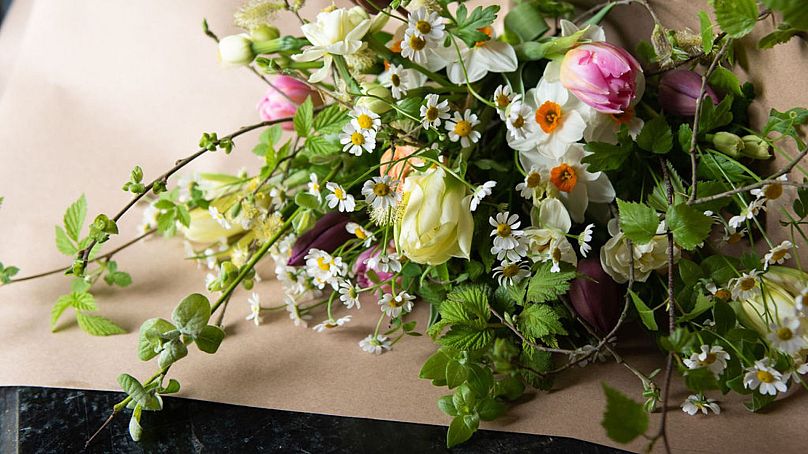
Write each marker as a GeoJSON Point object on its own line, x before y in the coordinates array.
{"type": "Point", "coordinates": [48, 420]}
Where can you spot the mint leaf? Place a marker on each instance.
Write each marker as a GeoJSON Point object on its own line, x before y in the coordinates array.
{"type": "Point", "coordinates": [209, 339]}
{"type": "Point", "coordinates": [150, 339]}
{"type": "Point", "coordinates": [624, 419]}
{"type": "Point", "coordinates": [539, 320]}
{"type": "Point", "coordinates": [546, 285]}
{"type": "Point", "coordinates": [96, 325]}
{"type": "Point", "coordinates": [656, 136]}
{"type": "Point", "coordinates": [638, 221]}
{"type": "Point", "coordinates": [736, 17]}
{"type": "Point", "coordinates": [192, 314]}
{"type": "Point", "coordinates": [74, 218]}
{"type": "Point", "coordinates": [435, 368]}
{"type": "Point", "coordinates": [461, 429]}
{"type": "Point", "coordinates": [690, 226]}
{"type": "Point", "coordinates": [304, 118]}
{"type": "Point", "coordinates": [646, 314]}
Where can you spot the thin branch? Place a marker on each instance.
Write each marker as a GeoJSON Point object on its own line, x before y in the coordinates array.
{"type": "Point", "coordinates": [525, 340]}
{"type": "Point", "coordinates": [106, 256]}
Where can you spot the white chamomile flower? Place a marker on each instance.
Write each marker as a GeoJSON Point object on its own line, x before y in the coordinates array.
{"type": "Point", "coordinates": [364, 119]}
{"type": "Point", "coordinates": [349, 294]}
{"type": "Point", "coordinates": [393, 306]}
{"type": "Point", "coordinates": [461, 128]}
{"type": "Point", "coordinates": [339, 198]}
{"type": "Point", "coordinates": [697, 402]}
{"type": "Point", "coordinates": [584, 238]}
{"type": "Point", "coordinates": [788, 335]}
{"type": "Point", "coordinates": [517, 120]}
{"type": "Point", "coordinates": [713, 358]}
{"type": "Point", "coordinates": [376, 344]}
{"type": "Point", "coordinates": [747, 213]}
{"type": "Point", "coordinates": [777, 254]}
{"type": "Point", "coordinates": [385, 262]}
{"type": "Point", "coordinates": [380, 192]}
{"type": "Point", "coordinates": [434, 111]}
{"type": "Point", "coordinates": [508, 241]}
{"type": "Point", "coordinates": [355, 140]}
{"type": "Point", "coordinates": [361, 233]}
{"type": "Point", "coordinates": [313, 186]}
{"type": "Point", "coordinates": [330, 324]}
{"type": "Point", "coordinates": [295, 315]}
{"type": "Point", "coordinates": [801, 302]}
{"type": "Point", "coordinates": [718, 292]}
{"type": "Point", "coordinates": [425, 24]}
{"type": "Point", "coordinates": [480, 193]}
{"type": "Point", "coordinates": [415, 47]}
{"type": "Point", "coordinates": [745, 287]}
{"type": "Point", "coordinates": [765, 378]}
{"type": "Point", "coordinates": [510, 273]}
{"type": "Point", "coordinates": [532, 184]}
{"type": "Point", "coordinates": [503, 97]}
{"type": "Point", "coordinates": [396, 79]}
{"type": "Point", "coordinates": [771, 191]}
{"type": "Point", "coordinates": [255, 308]}
{"type": "Point", "coordinates": [219, 217]}
{"type": "Point", "coordinates": [324, 268]}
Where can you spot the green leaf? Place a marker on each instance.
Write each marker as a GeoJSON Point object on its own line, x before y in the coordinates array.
{"type": "Point", "coordinates": [461, 429]}
{"type": "Point", "coordinates": [435, 368]}
{"type": "Point", "coordinates": [689, 271]}
{"type": "Point", "coordinates": [526, 22]}
{"type": "Point", "coordinates": [785, 122]}
{"type": "Point", "coordinates": [322, 146]}
{"type": "Point", "coordinates": [330, 120]}
{"type": "Point", "coordinates": [74, 218]}
{"type": "Point", "coordinates": [64, 244]}
{"type": "Point", "coordinates": [624, 419]}
{"type": "Point", "coordinates": [717, 166]}
{"type": "Point", "coordinates": [606, 156]}
{"type": "Point", "coordinates": [794, 12]}
{"type": "Point", "coordinates": [132, 387]}
{"type": "Point", "coordinates": [706, 32]}
{"type": "Point", "coordinates": [306, 200]}
{"type": "Point", "coordinates": [271, 135]}
{"type": "Point", "coordinates": [464, 337]}
{"type": "Point", "coordinates": [469, 25]}
{"type": "Point", "coordinates": [646, 314]}
{"type": "Point", "coordinates": [782, 34]}
{"type": "Point", "coordinates": [192, 314]}
{"type": "Point", "coordinates": [456, 374]}
{"type": "Point", "coordinates": [59, 308]}
{"type": "Point", "coordinates": [97, 325]}
{"type": "Point", "coordinates": [539, 320]}
{"type": "Point", "coordinates": [479, 379]}
{"type": "Point", "coordinates": [725, 81]}
{"type": "Point", "coordinates": [690, 226]}
{"type": "Point", "coordinates": [304, 117]}
{"type": "Point", "coordinates": [546, 285]}
{"type": "Point", "coordinates": [468, 302]}
{"type": "Point", "coordinates": [149, 338]}
{"type": "Point", "coordinates": [135, 430]}
{"type": "Point", "coordinates": [174, 351]}
{"type": "Point", "coordinates": [685, 136]}
{"type": "Point", "coordinates": [172, 387]}
{"type": "Point", "coordinates": [639, 222]}
{"type": "Point", "coordinates": [490, 409]}
{"type": "Point", "coordinates": [736, 17]}
{"type": "Point", "coordinates": [446, 405]}
{"type": "Point", "coordinates": [209, 339]}
{"type": "Point", "coordinates": [714, 116]}
{"type": "Point", "coordinates": [656, 136]}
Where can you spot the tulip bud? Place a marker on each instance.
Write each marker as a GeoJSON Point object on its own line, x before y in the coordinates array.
{"type": "Point", "coordinates": [595, 296]}
{"type": "Point", "coordinates": [236, 50]}
{"type": "Point", "coordinates": [727, 143]}
{"type": "Point", "coordinates": [678, 91]}
{"type": "Point", "coordinates": [283, 97]}
{"type": "Point", "coordinates": [327, 234]}
{"type": "Point", "coordinates": [755, 147]}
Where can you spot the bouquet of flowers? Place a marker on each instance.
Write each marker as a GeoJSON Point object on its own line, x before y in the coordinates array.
{"type": "Point", "coordinates": [537, 188]}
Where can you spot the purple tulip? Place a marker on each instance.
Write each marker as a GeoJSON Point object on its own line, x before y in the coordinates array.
{"type": "Point", "coordinates": [678, 91]}
{"type": "Point", "coordinates": [327, 234]}
{"type": "Point", "coordinates": [595, 296]}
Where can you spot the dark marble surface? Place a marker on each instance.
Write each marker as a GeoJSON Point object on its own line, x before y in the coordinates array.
{"type": "Point", "coordinates": [48, 420]}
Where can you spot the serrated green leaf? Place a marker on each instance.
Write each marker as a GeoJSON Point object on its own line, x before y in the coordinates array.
{"type": "Point", "coordinates": [656, 136]}
{"type": "Point", "coordinates": [690, 226]}
{"type": "Point", "coordinates": [646, 314]}
{"type": "Point", "coordinates": [271, 135]}
{"type": "Point", "coordinates": [706, 28]}
{"type": "Point", "coordinates": [606, 156]}
{"type": "Point", "coordinates": [192, 314]}
{"type": "Point", "coordinates": [715, 116]}
{"type": "Point", "coordinates": [97, 325]}
{"type": "Point", "coordinates": [330, 120]}
{"type": "Point", "coordinates": [469, 302]}
{"type": "Point", "coordinates": [304, 117]}
{"type": "Point", "coordinates": [64, 244]}
{"type": "Point", "coordinates": [639, 222]}
{"type": "Point", "coordinates": [464, 337]}
{"type": "Point", "coordinates": [59, 308]}
{"type": "Point", "coordinates": [783, 34]}
{"type": "Point", "coordinates": [624, 419]}
{"type": "Point", "coordinates": [461, 429]}
{"type": "Point", "coordinates": [736, 17]}
{"type": "Point", "coordinates": [685, 136]}
{"type": "Point", "coordinates": [74, 218]}
{"type": "Point", "coordinates": [546, 285]}
{"type": "Point", "coordinates": [539, 320]}
{"type": "Point", "coordinates": [209, 339]}
{"type": "Point", "coordinates": [725, 81]}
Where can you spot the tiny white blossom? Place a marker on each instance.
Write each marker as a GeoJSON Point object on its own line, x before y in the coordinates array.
{"type": "Point", "coordinates": [508, 241]}
{"type": "Point", "coordinates": [339, 198]}
{"type": "Point", "coordinates": [380, 192]}
{"type": "Point", "coordinates": [360, 232]}
{"type": "Point", "coordinates": [745, 287]}
{"type": "Point", "coordinates": [695, 403]}
{"type": "Point", "coordinates": [363, 119]}
{"type": "Point", "coordinates": [510, 273]}
{"type": "Point", "coordinates": [788, 336]}
{"type": "Point", "coordinates": [355, 140]}
{"type": "Point", "coordinates": [415, 48]}
{"type": "Point", "coordinates": [765, 378]}
{"type": "Point", "coordinates": [777, 254]}
{"type": "Point", "coordinates": [393, 306]}
{"type": "Point", "coordinates": [503, 97]}
{"type": "Point", "coordinates": [480, 193]}
{"type": "Point", "coordinates": [532, 183]}
{"type": "Point", "coordinates": [377, 344]}
{"type": "Point", "coordinates": [397, 81]}
{"type": "Point", "coordinates": [255, 308]}
{"type": "Point", "coordinates": [771, 191]}
{"type": "Point", "coordinates": [295, 316]}
{"type": "Point", "coordinates": [323, 268]}
{"type": "Point", "coordinates": [713, 358]}
{"type": "Point", "coordinates": [219, 217]}
{"type": "Point", "coordinates": [584, 238]}
{"type": "Point", "coordinates": [461, 128]}
{"type": "Point", "coordinates": [434, 111]}
{"type": "Point", "coordinates": [749, 212]}
{"type": "Point", "coordinates": [425, 24]}
{"type": "Point", "coordinates": [330, 324]}
{"type": "Point", "coordinates": [314, 186]}
{"type": "Point", "coordinates": [349, 294]}
{"type": "Point", "coordinates": [518, 120]}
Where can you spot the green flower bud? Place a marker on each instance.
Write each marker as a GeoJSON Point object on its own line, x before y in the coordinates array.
{"type": "Point", "coordinates": [374, 104]}
{"type": "Point", "coordinates": [755, 147]}
{"type": "Point", "coordinates": [264, 32]}
{"type": "Point", "coordinates": [728, 143]}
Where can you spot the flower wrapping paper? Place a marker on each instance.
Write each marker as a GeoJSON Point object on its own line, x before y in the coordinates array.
{"type": "Point", "coordinates": [90, 88]}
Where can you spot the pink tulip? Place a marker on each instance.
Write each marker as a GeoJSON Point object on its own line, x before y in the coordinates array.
{"type": "Point", "coordinates": [361, 267]}
{"type": "Point", "coordinates": [283, 102]}
{"type": "Point", "coordinates": [603, 76]}
{"type": "Point", "coordinates": [678, 91]}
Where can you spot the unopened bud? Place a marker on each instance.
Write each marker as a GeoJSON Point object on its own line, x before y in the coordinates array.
{"type": "Point", "coordinates": [728, 143]}
{"type": "Point", "coordinates": [755, 147]}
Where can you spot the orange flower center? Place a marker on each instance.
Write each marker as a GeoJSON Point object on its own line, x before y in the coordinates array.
{"type": "Point", "coordinates": [488, 30]}
{"type": "Point", "coordinates": [778, 255]}
{"type": "Point", "coordinates": [625, 117]}
{"type": "Point", "coordinates": [709, 359]}
{"type": "Point", "coordinates": [548, 116]}
{"type": "Point", "coordinates": [564, 177]}
{"type": "Point", "coordinates": [360, 233]}
{"type": "Point", "coordinates": [734, 238]}
{"type": "Point", "coordinates": [722, 294]}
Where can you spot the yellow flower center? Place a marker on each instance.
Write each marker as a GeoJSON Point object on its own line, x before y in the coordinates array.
{"type": "Point", "coordinates": [339, 193]}
{"type": "Point", "coordinates": [510, 270]}
{"type": "Point", "coordinates": [357, 138]}
{"type": "Point", "coordinates": [564, 177]}
{"type": "Point", "coordinates": [381, 189]}
{"type": "Point", "coordinates": [395, 80]}
{"type": "Point", "coordinates": [773, 191]}
{"type": "Point", "coordinates": [503, 230]}
{"type": "Point", "coordinates": [360, 233]}
{"type": "Point", "coordinates": [747, 283]}
{"type": "Point", "coordinates": [533, 180]}
{"type": "Point", "coordinates": [364, 120]}
{"type": "Point", "coordinates": [432, 113]}
{"type": "Point", "coordinates": [778, 255]}
{"type": "Point", "coordinates": [315, 187]}
{"type": "Point", "coordinates": [549, 116]}
{"type": "Point", "coordinates": [722, 294]}
{"type": "Point", "coordinates": [711, 357]}
{"type": "Point", "coordinates": [323, 264]}
{"type": "Point", "coordinates": [423, 26]}
{"type": "Point", "coordinates": [518, 122]}
{"type": "Point", "coordinates": [417, 43]}
{"type": "Point", "coordinates": [462, 128]}
{"type": "Point", "coordinates": [764, 376]}
{"type": "Point", "coordinates": [784, 334]}
{"type": "Point", "coordinates": [396, 303]}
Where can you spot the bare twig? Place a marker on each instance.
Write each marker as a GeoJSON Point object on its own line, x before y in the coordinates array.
{"type": "Point", "coordinates": [525, 340]}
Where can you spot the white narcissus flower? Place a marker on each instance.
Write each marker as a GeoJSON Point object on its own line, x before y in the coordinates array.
{"type": "Point", "coordinates": [570, 180]}
{"type": "Point", "coordinates": [714, 358]}
{"type": "Point", "coordinates": [765, 378]}
{"type": "Point", "coordinates": [339, 198]}
{"type": "Point", "coordinates": [331, 324]}
{"type": "Point", "coordinates": [380, 193]}
{"type": "Point", "coordinates": [375, 344]}
{"type": "Point", "coordinates": [484, 57]}
{"type": "Point", "coordinates": [461, 128]}
{"type": "Point", "coordinates": [480, 193]}
{"type": "Point", "coordinates": [337, 32]}
{"type": "Point", "coordinates": [356, 140]}
{"type": "Point", "coordinates": [697, 402]}
{"type": "Point", "coordinates": [434, 112]}
{"type": "Point", "coordinates": [550, 244]}
{"type": "Point", "coordinates": [615, 255]}
{"type": "Point", "coordinates": [777, 254]}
